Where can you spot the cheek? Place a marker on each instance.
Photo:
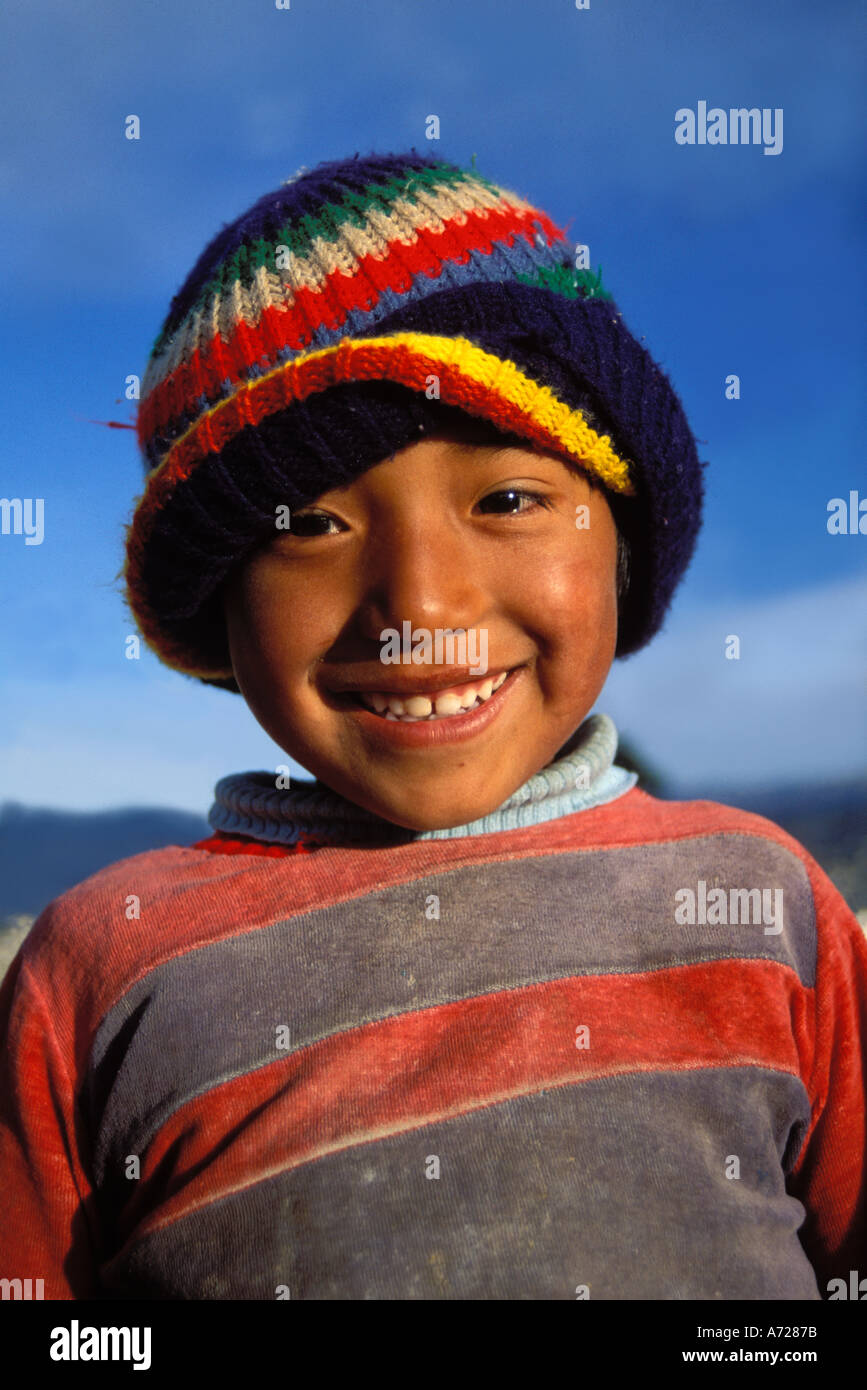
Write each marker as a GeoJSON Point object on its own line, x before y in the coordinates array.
{"type": "Point", "coordinates": [572, 594]}
{"type": "Point", "coordinates": [264, 621]}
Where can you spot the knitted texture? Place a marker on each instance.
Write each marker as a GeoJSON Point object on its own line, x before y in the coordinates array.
{"type": "Point", "coordinates": [301, 351]}
{"type": "Point", "coordinates": [286, 1042]}
{"type": "Point", "coordinates": [583, 775]}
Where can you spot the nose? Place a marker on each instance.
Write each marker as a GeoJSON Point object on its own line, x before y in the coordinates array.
{"type": "Point", "coordinates": [424, 571]}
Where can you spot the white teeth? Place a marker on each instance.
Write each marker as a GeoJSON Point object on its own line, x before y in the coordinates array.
{"type": "Point", "coordinates": [447, 704]}
{"type": "Point", "coordinates": [417, 707]}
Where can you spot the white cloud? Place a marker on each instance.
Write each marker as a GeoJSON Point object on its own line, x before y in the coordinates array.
{"type": "Point", "coordinates": [792, 708]}
{"type": "Point", "coordinates": [155, 740]}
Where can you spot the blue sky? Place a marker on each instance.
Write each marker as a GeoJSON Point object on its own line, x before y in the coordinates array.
{"type": "Point", "coordinates": [725, 260]}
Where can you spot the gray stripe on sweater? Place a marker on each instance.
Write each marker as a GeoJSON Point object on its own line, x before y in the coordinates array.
{"type": "Point", "coordinates": [619, 1184]}
{"type": "Point", "coordinates": [212, 1014]}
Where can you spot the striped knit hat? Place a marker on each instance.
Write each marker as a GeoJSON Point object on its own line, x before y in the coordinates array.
{"type": "Point", "coordinates": [309, 343]}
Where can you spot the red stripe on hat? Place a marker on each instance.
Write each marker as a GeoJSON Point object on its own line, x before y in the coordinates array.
{"type": "Point", "coordinates": [354, 360]}
{"type": "Point", "coordinates": [228, 358]}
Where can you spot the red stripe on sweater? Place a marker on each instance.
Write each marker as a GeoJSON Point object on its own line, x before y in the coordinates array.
{"type": "Point", "coordinates": [191, 899]}
{"type": "Point", "coordinates": [421, 1067]}
{"type": "Point", "coordinates": [830, 1177]}
{"type": "Point", "coordinates": [180, 888]}
{"type": "Point", "coordinates": [222, 843]}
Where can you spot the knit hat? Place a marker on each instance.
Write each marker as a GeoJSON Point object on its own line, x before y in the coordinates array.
{"type": "Point", "coordinates": [342, 316]}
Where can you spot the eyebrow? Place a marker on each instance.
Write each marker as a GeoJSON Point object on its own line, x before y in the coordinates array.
{"type": "Point", "coordinates": [494, 449]}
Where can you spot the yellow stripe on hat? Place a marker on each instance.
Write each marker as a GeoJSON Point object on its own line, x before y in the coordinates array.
{"type": "Point", "coordinates": [467, 376]}
{"type": "Point", "coordinates": [502, 380]}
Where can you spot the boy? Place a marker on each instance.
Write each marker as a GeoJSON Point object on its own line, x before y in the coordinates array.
{"type": "Point", "coordinates": [472, 1015]}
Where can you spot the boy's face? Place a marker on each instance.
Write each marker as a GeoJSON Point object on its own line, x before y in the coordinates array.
{"type": "Point", "coordinates": [426, 537]}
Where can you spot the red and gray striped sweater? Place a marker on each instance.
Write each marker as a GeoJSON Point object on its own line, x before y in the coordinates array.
{"type": "Point", "coordinates": [615, 1052]}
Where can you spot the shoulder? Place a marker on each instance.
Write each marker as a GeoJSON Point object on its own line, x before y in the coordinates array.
{"type": "Point", "coordinates": [654, 821]}
{"type": "Point", "coordinates": [710, 839]}
{"type": "Point", "coordinates": [86, 912]}
{"type": "Point", "coordinates": [90, 943]}
{"type": "Point", "coordinates": [725, 866]}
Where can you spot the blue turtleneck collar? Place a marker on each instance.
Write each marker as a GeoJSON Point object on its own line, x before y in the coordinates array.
{"type": "Point", "coordinates": [582, 775]}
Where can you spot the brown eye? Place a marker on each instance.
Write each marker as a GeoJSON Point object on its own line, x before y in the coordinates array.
{"type": "Point", "coordinates": [511, 495]}
{"type": "Point", "coordinates": [309, 523]}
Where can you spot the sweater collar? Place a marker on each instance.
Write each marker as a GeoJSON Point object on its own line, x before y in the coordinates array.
{"type": "Point", "coordinates": [582, 775]}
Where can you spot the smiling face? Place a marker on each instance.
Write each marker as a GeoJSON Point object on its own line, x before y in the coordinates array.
{"type": "Point", "coordinates": [444, 535]}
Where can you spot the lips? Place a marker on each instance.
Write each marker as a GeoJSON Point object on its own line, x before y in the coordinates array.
{"type": "Point", "coordinates": [389, 732]}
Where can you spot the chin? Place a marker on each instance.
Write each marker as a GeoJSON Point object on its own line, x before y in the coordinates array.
{"type": "Point", "coordinates": [438, 818]}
